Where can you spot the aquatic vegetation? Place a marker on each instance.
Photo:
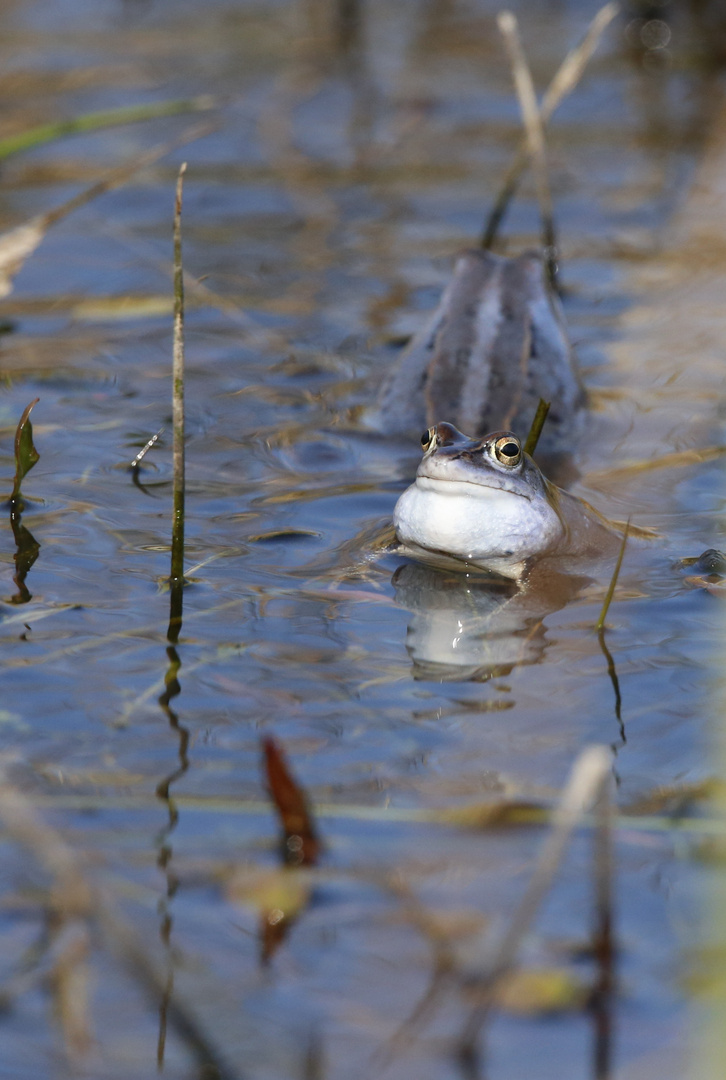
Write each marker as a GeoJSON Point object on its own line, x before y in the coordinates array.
{"type": "Point", "coordinates": [166, 900]}
{"type": "Point", "coordinates": [95, 121]}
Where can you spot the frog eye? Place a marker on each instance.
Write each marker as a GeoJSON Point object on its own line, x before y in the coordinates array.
{"type": "Point", "coordinates": [508, 450]}
{"type": "Point", "coordinates": [428, 439]}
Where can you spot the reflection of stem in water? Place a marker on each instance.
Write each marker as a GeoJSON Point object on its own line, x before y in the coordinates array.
{"type": "Point", "coordinates": [27, 549]}
{"type": "Point", "coordinates": [600, 627]}
{"type": "Point", "coordinates": [603, 944]}
{"type": "Point", "coordinates": [172, 690]}
{"type": "Point", "coordinates": [348, 15]}
{"type": "Point", "coordinates": [616, 687]}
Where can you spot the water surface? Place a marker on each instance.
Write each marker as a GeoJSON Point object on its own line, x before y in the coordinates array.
{"type": "Point", "coordinates": [321, 218]}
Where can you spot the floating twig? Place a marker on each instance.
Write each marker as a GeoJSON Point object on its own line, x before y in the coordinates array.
{"type": "Point", "coordinates": [538, 423]}
{"type": "Point", "coordinates": [565, 80]}
{"type": "Point", "coordinates": [534, 129]}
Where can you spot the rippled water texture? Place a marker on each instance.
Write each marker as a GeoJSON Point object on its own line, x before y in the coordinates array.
{"type": "Point", "coordinates": [346, 168]}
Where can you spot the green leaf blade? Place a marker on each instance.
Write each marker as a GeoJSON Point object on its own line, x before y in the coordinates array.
{"type": "Point", "coordinates": [26, 456]}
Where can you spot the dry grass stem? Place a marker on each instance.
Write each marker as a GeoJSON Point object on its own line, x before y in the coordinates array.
{"type": "Point", "coordinates": [443, 968]}
{"type": "Point", "coordinates": [78, 904]}
{"type": "Point", "coordinates": [18, 244]}
{"type": "Point", "coordinates": [70, 983]}
{"type": "Point", "coordinates": [564, 82]}
{"type": "Point", "coordinates": [534, 130]}
{"type": "Point", "coordinates": [679, 459]}
{"type": "Point", "coordinates": [573, 66]}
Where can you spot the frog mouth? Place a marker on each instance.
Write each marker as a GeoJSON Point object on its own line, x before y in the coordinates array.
{"type": "Point", "coordinates": [468, 487]}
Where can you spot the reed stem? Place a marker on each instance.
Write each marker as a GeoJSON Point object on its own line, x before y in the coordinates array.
{"type": "Point", "coordinates": [564, 82]}
{"type": "Point", "coordinates": [537, 424]}
{"type": "Point", "coordinates": [534, 129]}
{"type": "Point", "coordinates": [600, 625]}
{"type": "Point", "coordinates": [177, 531]}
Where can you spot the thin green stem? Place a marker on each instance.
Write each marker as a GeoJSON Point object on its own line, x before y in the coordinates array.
{"type": "Point", "coordinates": [613, 581]}
{"type": "Point", "coordinates": [129, 114]}
{"type": "Point", "coordinates": [537, 424]}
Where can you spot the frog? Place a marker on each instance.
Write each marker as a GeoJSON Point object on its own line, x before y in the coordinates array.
{"type": "Point", "coordinates": [495, 344]}
{"type": "Point", "coordinates": [483, 503]}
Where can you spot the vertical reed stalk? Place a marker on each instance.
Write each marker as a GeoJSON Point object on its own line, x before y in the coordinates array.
{"type": "Point", "coordinates": [177, 530]}
{"type": "Point", "coordinates": [600, 625]}
{"type": "Point", "coordinates": [534, 129]}
{"type": "Point", "coordinates": [538, 423]}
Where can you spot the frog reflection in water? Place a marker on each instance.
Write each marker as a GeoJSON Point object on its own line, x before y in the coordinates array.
{"type": "Point", "coordinates": [472, 627]}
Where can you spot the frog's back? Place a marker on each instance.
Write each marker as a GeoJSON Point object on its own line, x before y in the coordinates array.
{"type": "Point", "coordinates": [493, 347]}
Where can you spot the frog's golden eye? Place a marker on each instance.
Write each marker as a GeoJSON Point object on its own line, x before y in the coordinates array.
{"type": "Point", "coordinates": [428, 438]}
{"type": "Point", "coordinates": [508, 450]}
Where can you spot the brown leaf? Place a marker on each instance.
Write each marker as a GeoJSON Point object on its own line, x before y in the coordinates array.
{"type": "Point", "coordinates": [300, 843]}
